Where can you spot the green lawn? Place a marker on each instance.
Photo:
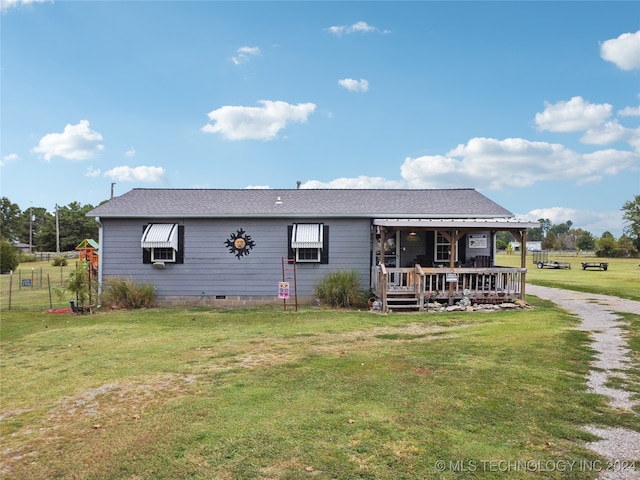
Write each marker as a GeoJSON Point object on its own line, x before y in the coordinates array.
{"type": "Point", "coordinates": [267, 394]}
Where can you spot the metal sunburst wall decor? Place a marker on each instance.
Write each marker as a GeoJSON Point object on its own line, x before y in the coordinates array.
{"type": "Point", "coordinates": [240, 243]}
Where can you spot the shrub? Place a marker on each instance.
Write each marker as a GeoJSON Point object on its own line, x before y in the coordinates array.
{"type": "Point", "coordinates": [8, 257]}
{"type": "Point", "coordinates": [122, 293]}
{"type": "Point", "coordinates": [342, 289]}
{"type": "Point", "coordinates": [59, 262]}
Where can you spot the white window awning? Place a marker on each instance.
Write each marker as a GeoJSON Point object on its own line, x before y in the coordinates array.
{"type": "Point", "coordinates": [307, 235]}
{"type": "Point", "coordinates": [160, 235]}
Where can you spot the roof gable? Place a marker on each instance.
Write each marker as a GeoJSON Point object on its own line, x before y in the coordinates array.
{"type": "Point", "coordinates": [368, 203]}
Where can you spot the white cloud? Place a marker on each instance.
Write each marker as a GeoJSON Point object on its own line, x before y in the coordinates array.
{"type": "Point", "coordinates": [623, 51]}
{"type": "Point", "coordinates": [630, 112]}
{"type": "Point", "coordinates": [77, 142]}
{"type": "Point", "coordinates": [358, 182]}
{"type": "Point", "coordinates": [605, 134]}
{"type": "Point", "coordinates": [11, 157]}
{"type": "Point", "coordinates": [92, 172]}
{"type": "Point", "coordinates": [244, 54]}
{"type": "Point", "coordinates": [354, 85]}
{"type": "Point", "coordinates": [137, 174]}
{"type": "Point", "coordinates": [256, 123]}
{"type": "Point", "coordinates": [513, 162]}
{"type": "Point", "coordinates": [7, 4]}
{"type": "Point", "coordinates": [634, 139]}
{"type": "Point", "coordinates": [130, 153]}
{"type": "Point", "coordinates": [572, 116]}
{"type": "Point", "coordinates": [358, 27]}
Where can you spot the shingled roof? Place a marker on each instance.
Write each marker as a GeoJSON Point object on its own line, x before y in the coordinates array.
{"type": "Point", "coordinates": [391, 203]}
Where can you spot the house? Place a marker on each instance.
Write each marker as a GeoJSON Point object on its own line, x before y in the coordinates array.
{"type": "Point", "coordinates": [25, 248]}
{"type": "Point", "coordinates": [234, 246]}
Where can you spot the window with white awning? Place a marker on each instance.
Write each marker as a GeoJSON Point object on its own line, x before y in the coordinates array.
{"type": "Point", "coordinates": [162, 241]}
{"type": "Point", "coordinates": [308, 241]}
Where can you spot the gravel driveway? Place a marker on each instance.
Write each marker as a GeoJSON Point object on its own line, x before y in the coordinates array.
{"type": "Point", "coordinates": [597, 314]}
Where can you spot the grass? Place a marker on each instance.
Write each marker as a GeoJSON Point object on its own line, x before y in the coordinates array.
{"type": "Point", "coordinates": [318, 393]}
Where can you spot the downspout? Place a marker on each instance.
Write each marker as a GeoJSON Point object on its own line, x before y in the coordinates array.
{"type": "Point", "coordinates": [100, 256]}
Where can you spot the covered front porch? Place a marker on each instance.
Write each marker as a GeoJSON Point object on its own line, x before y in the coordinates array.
{"type": "Point", "coordinates": [418, 261]}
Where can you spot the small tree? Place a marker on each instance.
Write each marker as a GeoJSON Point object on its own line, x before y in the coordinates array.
{"type": "Point", "coordinates": [8, 257]}
{"type": "Point", "coordinates": [606, 246]}
{"type": "Point", "coordinates": [586, 241]}
{"type": "Point", "coordinates": [79, 283]}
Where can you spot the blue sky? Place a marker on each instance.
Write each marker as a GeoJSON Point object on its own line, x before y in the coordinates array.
{"type": "Point", "coordinates": [534, 104]}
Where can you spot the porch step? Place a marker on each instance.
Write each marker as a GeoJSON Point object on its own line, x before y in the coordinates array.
{"type": "Point", "coordinates": [402, 300]}
{"type": "Point", "coordinates": [396, 306]}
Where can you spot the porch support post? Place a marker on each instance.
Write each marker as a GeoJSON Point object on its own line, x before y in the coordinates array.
{"type": "Point", "coordinates": [383, 231]}
{"type": "Point", "coordinates": [452, 237]}
{"type": "Point", "coordinates": [521, 236]}
{"type": "Point", "coordinates": [383, 276]}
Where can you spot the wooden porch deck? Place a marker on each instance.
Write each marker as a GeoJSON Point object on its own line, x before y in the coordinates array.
{"type": "Point", "coordinates": [412, 288]}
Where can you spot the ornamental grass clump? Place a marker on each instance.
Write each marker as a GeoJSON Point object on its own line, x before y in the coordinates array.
{"type": "Point", "coordinates": [341, 289]}
{"type": "Point", "coordinates": [126, 294]}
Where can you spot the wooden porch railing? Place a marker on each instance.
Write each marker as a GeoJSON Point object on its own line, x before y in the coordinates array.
{"type": "Point", "coordinates": [412, 287]}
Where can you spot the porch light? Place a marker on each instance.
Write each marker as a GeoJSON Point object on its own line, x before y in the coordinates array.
{"type": "Point", "coordinates": [412, 233]}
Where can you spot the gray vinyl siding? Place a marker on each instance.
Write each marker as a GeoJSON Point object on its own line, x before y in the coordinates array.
{"type": "Point", "coordinates": [209, 268]}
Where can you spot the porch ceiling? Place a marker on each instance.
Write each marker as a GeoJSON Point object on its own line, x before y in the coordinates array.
{"type": "Point", "coordinates": [460, 223]}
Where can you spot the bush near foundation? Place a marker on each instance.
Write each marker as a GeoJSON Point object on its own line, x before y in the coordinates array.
{"type": "Point", "coordinates": [342, 289]}
{"type": "Point", "coordinates": [120, 293]}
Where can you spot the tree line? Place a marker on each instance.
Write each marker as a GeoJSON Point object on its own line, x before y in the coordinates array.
{"type": "Point", "coordinates": [39, 228]}
{"type": "Point", "coordinates": [564, 236]}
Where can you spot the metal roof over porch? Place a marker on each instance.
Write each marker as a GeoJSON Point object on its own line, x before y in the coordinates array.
{"type": "Point", "coordinates": [456, 223]}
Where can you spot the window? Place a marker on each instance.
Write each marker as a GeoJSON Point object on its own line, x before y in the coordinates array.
{"type": "Point", "coordinates": [309, 242]}
{"type": "Point", "coordinates": [443, 248]}
{"type": "Point", "coordinates": [162, 242]}
{"type": "Point", "coordinates": [307, 254]}
{"type": "Point", "coordinates": [163, 255]}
